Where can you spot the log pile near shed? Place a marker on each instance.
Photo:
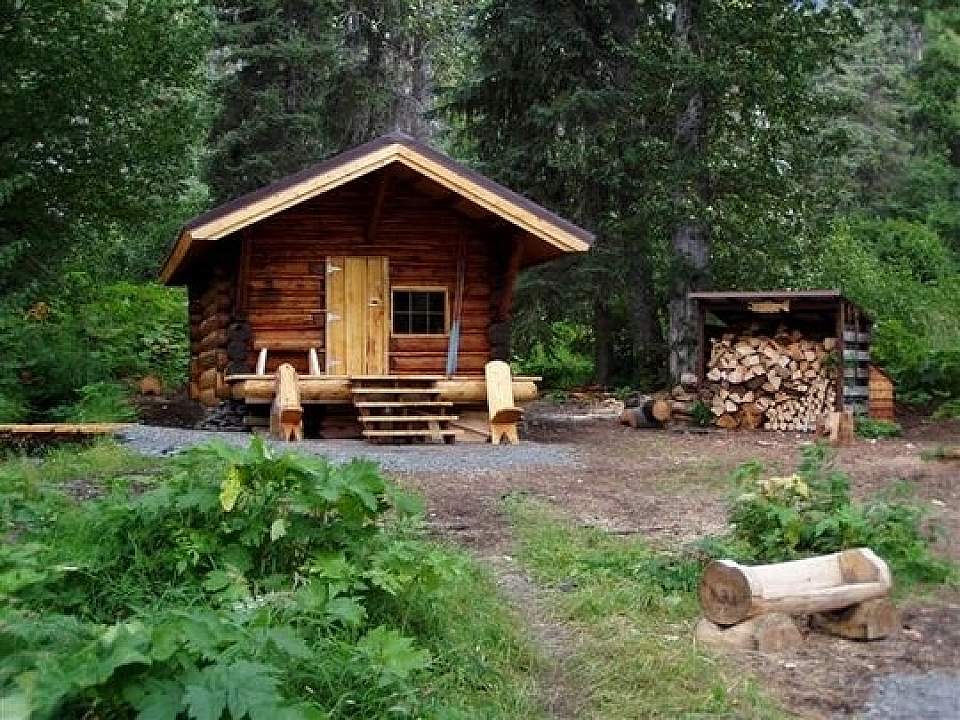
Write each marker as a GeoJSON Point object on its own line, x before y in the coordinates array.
{"type": "Point", "coordinates": [785, 382]}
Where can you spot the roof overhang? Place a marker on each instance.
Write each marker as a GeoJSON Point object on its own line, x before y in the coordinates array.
{"type": "Point", "coordinates": [561, 235]}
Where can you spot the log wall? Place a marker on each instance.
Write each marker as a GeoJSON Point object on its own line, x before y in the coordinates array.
{"type": "Point", "coordinates": [282, 293]}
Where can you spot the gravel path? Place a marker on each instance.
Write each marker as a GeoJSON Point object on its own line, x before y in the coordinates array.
{"type": "Point", "coordinates": [466, 457]}
{"type": "Point", "coordinates": [934, 696]}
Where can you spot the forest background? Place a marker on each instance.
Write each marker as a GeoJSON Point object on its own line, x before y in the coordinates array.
{"type": "Point", "coordinates": [708, 143]}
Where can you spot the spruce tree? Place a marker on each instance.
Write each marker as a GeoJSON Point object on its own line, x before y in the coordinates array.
{"type": "Point", "coordinates": [300, 80]}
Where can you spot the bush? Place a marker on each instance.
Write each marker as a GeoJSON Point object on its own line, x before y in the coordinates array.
{"type": "Point", "coordinates": [564, 361]}
{"type": "Point", "coordinates": [811, 512]}
{"type": "Point", "coordinates": [242, 584]}
{"type": "Point", "coordinates": [877, 429]}
{"type": "Point", "coordinates": [74, 350]}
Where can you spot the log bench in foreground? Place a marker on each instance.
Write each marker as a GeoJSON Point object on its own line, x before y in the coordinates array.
{"type": "Point", "coordinates": [847, 593]}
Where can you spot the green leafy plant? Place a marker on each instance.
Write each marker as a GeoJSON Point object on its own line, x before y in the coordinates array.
{"type": "Point", "coordinates": [875, 429]}
{"type": "Point", "coordinates": [238, 583]}
{"type": "Point", "coordinates": [948, 410]}
{"type": "Point", "coordinates": [811, 512]}
{"type": "Point", "coordinates": [701, 414]}
{"type": "Point", "coordinates": [563, 361]}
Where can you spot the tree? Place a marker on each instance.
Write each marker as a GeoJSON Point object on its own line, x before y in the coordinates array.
{"type": "Point", "coordinates": [686, 134]}
{"type": "Point", "coordinates": [101, 111]}
{"type": "Point", "coordinates": [299, 80]}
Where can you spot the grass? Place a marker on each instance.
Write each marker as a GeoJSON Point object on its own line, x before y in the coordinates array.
{"type": "Point", "coordinates": [634, 612]}
{"type": "Point", "coordinates": [481, 664]}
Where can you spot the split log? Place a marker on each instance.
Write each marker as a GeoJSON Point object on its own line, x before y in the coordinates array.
{"type": "Point", "coordinates": [771, 633]}
{"type": "Point", "coordinates": [730, 592]}
{"type": "Point", "coordinates": [870, 620]}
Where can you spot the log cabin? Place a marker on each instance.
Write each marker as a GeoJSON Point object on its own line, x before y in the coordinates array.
{"type": "Point", "coordinates": [384, 276]}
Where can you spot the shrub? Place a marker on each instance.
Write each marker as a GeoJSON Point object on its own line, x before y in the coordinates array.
{"type": "Point", "coordinates": [876, 429]}
{"type": "Point", "coordinates": [73, 351]}
{"type": "Point", "coordinates": [98, 402]}
{"type": "Point", "coordinates": [811, 512]}
{"type": "Point", "coordinates": [564, 361]}
{"type": "Point", "coordinates": [240, 584]}
{"type": "Point", "coordinates": [949, 410]}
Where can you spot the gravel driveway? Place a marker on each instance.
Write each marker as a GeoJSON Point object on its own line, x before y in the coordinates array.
{"type": "Point", "coordinates": [466, 457]}
{"type": "Point", "coordinates": [934, 696]}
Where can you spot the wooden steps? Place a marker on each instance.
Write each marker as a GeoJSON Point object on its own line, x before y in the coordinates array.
{"type": "Point", "coordinates": [394, 391]}
{"type": "Point", "coordinates": [402, 403]}
{"type": "Point", "coordinates": [401, 409]}
{"type": "Point", "coordinates": [366, 419]}
{"type": "Point", "coordinates": [406, 434]}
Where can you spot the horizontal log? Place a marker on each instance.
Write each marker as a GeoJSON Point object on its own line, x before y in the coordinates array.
{"type": "Point", "coordinates": [219, 321]}
{"type": "Point", "coordinates": [334, 390]}
{"type": "Point", "coordinates": [216, 358]}
{"type": "Point", "coordinates": [216, 339]}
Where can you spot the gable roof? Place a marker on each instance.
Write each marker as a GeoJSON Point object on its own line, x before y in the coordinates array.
{"type": "Point", "coordinates": [562, 235]}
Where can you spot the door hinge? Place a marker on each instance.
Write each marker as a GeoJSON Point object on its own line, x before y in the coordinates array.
{"type": "Point", "coordinates": [331, 268]}
{"type": "Point", "coordinates": [332, 316]}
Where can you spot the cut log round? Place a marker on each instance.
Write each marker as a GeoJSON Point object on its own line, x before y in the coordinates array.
{"type": "Point", "coordinates": [730, 592]}
{"type": "Point", "coordinates": [216, 339]}
{"type": "Point", "coordinates": [870, 620]}
{"type": "Point", "coordinates": [640, 417]}
{"type": "Point", "coordinates": [215, 322]}
{"type": "Point", "coordinates": [661, 410]}
{"type": "Point", "coordinates": [771, 633]}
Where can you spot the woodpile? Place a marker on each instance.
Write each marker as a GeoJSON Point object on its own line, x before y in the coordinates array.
{"type": "Point", "coordinates": [845, 594]}
{"type": "Point", "coordinates": [784, 382]}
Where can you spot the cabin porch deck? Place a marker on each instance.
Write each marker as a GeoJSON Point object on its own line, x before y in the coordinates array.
{"type": "Point", "coordinates": [391, 408]}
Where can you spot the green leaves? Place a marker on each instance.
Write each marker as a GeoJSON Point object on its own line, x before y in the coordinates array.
{"type": "Point", "coordinates": [392, 656]}
{"type": "Point", "coordinates": [245, 689]}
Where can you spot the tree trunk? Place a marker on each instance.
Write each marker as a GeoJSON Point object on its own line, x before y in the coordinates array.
{"type": "Point", "coordinates": [645, 325]}
{"type": "Point", "coordinates": [603, 342]}
{"type": "Point", "coordinates": [690, 236]}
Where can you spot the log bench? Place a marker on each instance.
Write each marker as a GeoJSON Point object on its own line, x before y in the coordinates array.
{"type": "Point", "coordinates": [504, 413]}
{"type": "Point", "coordinates": [845, 593]}
{"type": "Point", "coordinates": [731, 593]}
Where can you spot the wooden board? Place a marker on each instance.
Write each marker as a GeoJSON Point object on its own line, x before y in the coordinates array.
{"type": "Point", "coordinates": [357, 312]}
{"type": "Point", "coordinates": [26, 430]}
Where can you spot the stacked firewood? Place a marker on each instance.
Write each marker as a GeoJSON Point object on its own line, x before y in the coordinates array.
{"type": "Point", "coordinates": [786, 382]}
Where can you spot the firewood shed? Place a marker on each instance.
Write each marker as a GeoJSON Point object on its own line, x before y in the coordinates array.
{"type": "Point", "coordinates": [824, 317]}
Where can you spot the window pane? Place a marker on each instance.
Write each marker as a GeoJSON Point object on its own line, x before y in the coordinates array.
{"type": "Point", "coordinates": [419, 312]}
{"type": "Point", "coordinates": [418, 323]}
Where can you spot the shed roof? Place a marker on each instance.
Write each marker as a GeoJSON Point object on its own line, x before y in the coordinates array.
{"type": "Point", "coordinates": [556, 234]}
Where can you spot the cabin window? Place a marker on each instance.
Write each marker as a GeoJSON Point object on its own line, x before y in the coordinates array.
{"type": "Point", "coordinates": [419, 311]}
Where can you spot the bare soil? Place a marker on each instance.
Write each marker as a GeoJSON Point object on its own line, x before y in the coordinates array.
{"type": "Point", "coordinates": [670, 487]}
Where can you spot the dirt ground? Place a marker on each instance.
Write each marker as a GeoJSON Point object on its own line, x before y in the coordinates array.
{"type": "Point", "coordinates": [670, 488]}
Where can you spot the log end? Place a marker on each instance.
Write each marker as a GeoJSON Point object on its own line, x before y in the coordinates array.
{"type": "Point", "coordinates": [726, 596]}
{"type": "Point", "coordinates": [771, 633]}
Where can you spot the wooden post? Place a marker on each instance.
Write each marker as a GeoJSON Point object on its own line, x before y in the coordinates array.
{"type": "Point", "coordinates": [286, 414]}
{"type": "Point", "coordinates": [504, 415]}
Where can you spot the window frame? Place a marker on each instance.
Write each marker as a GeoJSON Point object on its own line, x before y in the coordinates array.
{"type": "Point", "coordinates": [422, 289]}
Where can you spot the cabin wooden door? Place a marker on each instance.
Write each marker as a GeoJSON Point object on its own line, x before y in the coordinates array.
{"type": "Point", "coordinates": [358, 319]}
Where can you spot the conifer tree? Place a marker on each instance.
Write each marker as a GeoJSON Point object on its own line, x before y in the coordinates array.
{"type": "Point", "coordinates": [302, 79]}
